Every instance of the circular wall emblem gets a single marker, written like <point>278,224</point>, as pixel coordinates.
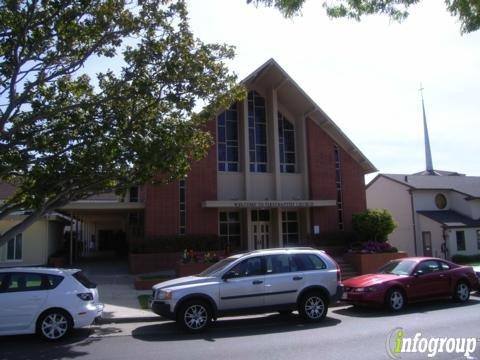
<point>440,201</point>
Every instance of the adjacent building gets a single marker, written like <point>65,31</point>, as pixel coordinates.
<point>437,215</point>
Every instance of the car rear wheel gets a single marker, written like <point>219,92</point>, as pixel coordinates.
<point>194,316</point>
<point>395,300</point>
<point>313,307</point>
<point>54,325</point>
<point>462,292</point>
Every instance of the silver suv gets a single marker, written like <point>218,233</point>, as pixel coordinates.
<point>260,281</point>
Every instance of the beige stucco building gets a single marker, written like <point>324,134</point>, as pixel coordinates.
<point>434,213</point>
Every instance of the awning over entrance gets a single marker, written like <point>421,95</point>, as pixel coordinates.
<point>265,204</point>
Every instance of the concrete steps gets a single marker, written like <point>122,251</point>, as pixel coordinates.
<point>346,268</point>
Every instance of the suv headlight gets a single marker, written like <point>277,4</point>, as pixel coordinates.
<point>164,295</point>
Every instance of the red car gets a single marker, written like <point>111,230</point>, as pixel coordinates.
<point>411,279</point>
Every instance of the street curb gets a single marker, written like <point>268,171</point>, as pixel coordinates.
<point>125,320</point>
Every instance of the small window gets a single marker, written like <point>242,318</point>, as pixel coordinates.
<point>15,248</point>
<point>440,201</point>
<point>428,266</point>
<point>277,264</point>
<point>248,267</point>
<point>444,266</point>
<point>82,279</point>
<point>308,262</point>
<point>51,281</point>
<point>24,282</point>
<point>460,240</point>
<point>3,281</point>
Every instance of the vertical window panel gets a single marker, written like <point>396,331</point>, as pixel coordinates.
<point>257,132</point>
<point>227,140</point>
<point>286,138</point>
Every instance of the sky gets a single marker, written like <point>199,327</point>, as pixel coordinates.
<point>366,75</point>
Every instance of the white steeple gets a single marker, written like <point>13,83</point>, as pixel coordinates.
<point>428,153</point>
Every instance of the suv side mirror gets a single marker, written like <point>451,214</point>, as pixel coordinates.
<point>228,275</point>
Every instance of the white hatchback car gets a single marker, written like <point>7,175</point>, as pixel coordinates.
<point>46,301</point>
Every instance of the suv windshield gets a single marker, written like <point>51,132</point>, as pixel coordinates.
<point>217,267</point>
<point>399,267</point>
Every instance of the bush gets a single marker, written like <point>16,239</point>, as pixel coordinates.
<point>373,225</point>
<point>465,259</point>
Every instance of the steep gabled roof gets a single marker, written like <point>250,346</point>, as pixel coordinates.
<point>467,185</point>
<point>288,90</point>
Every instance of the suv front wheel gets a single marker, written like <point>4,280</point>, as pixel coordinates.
<point>194,316</point>
<point>313,307</point>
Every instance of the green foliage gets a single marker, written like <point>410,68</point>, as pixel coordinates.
<point>65,136</point>
<point>466,259</point>
<point>468,11</point>
<point>373,225</point>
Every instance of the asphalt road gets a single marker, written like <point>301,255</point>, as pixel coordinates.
<point>347,333</point>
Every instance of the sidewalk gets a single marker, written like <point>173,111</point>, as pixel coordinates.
<point>116,291</point>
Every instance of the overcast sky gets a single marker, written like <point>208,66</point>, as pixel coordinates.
<point>366,75</point>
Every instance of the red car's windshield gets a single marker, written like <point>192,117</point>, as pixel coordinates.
<point>398,267</point>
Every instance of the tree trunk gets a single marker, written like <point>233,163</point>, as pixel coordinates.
<point>23,225</point>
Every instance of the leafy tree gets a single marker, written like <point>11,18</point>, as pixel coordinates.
<point>65,136</point>
<point>373,224</point>
<point>468,11</point>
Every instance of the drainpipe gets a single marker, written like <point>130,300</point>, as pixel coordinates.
<point>413,222</point>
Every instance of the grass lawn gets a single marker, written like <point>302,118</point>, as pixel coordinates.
<point>143,301</point>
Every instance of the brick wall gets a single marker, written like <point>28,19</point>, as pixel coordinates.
<point>353,186</point>
<point>201,185</point>
<point>162,200</point>
<point>321,172</point>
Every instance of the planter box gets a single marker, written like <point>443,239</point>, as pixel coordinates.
<point>370,263</point>
<point>188,269</point>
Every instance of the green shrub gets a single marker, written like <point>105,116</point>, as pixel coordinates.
<point>465,259</point>
<point>373,225</point>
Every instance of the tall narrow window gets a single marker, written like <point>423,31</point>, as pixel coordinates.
<point>134,194</point>
<point>15,248</point>
<point>460,240</point>
<point>230,229</point>
<point>290,228</point>
<point>183,213</point>
<point>257,132</point>
<point>338,187</point>
<point>227,140</point>
<point>478,239</point>
<point>286,142</point>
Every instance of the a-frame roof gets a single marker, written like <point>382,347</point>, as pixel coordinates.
<point>291,93</point>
